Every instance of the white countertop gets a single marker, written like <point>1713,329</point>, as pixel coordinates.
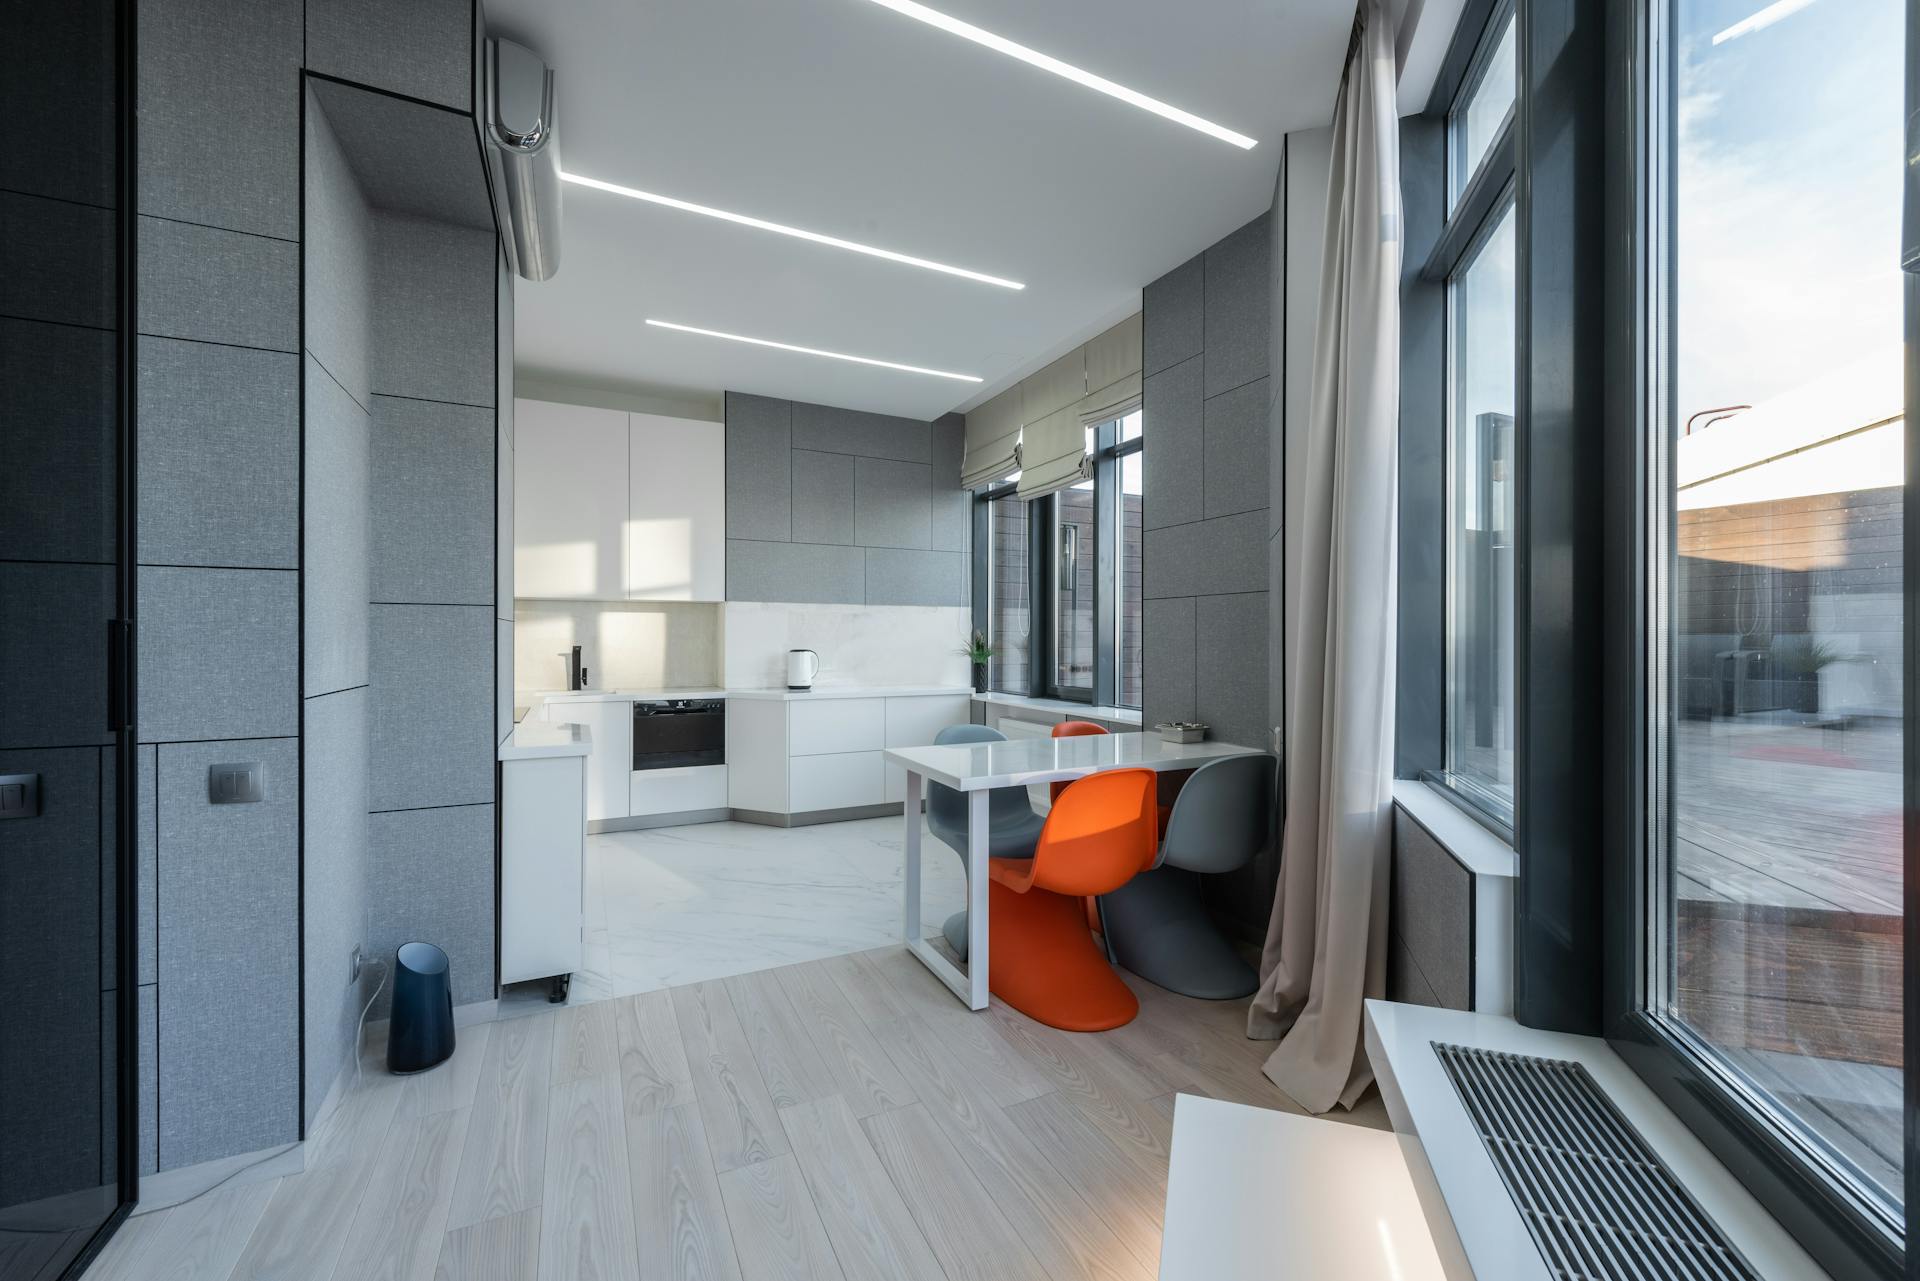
<point>531,739</point>
<point>1023,761</point>
<point>1066,707</point>
<point>535,697</point>
<point>783,695</point>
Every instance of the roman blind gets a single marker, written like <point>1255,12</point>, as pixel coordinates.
<point>1039,426</point>
<point>993,440</point>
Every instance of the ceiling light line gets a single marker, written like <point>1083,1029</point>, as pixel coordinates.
<point>1066,70</point>
<point>1760,20</point>
<point>854,246</point>
<point>813,351</point>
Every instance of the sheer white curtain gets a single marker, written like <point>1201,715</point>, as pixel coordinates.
<point>1326,943</point>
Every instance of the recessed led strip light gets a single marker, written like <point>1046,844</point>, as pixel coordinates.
<point>799,233</point>
<point>1066,70</point>
<point>813,351</point>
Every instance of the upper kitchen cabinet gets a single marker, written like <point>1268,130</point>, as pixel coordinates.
<point>676,531</point>
<point>570,502</point>
<point>616,506</point>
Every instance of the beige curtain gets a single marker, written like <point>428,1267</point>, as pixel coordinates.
<point>1326,943</point>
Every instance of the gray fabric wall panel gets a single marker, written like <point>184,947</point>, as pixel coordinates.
<point>72,154</point>
<point>212,285</point>
<point>48,1058</point>
<point>823,490</point>
<point>410,158</point>
<point>802,572</point>
<point>759,471</point>
<point>1230,666</point>
<point>219,655</point>
<point>431,877</point>
<point>897,576</point>
<point>433,502</point>
<point>58,385</point>
<point>220,113</point>
<point>338,576</point>
<point>58,260</point>
<point>1174,316</point>
<point>423,48</point>
<point>339,251</point>
<point>53,654</point>
<point>1175,477</point>
<point>433,311</point>
<point>432,692</point>
<point>1238,305</point>
<point>1405,982</point>
<point>1431,912</point>
<point>1206,557</point>
<point>892,504</point>
<point>219,475</point>
<point>149,1069</point>
<point>952,506</point>
<point>335,867</point>
<point>1167,641</point>
<point>147,850</point>
<point>229,1010</point>
<point>1236,450</point>
<point>853,431</point>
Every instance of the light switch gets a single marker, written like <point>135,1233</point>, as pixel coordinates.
<point>19,796</point>
<point>237,784</point>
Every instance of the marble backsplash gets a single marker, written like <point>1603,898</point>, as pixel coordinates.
<point>624,644</point>
<point>857,644</point>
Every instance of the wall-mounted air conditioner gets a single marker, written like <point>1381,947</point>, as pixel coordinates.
<point>523,152</point>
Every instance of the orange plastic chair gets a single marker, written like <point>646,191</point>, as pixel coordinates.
<point>1073,729</point>
<point>1042,960</point>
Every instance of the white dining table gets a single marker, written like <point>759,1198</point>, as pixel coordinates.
<point>975,769</point>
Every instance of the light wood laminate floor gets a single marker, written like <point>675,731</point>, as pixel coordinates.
<point>841,1119</point>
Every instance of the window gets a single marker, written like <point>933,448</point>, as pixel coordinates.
<point>1474,261</point>
<point>1774,878</point>
<point>1084,643</point>
<point>1009,592</point>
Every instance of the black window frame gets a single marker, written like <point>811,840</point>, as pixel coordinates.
<point>1453,231</point>
<point>1042,531</point>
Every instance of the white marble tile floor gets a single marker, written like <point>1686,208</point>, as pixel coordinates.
<point>676,905</point>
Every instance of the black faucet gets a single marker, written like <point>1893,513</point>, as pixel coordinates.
<point>576,673</point>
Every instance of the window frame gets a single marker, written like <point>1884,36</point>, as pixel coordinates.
<point>1468,221</point>
<point>1805,1190</point>
<point>1042,533</point>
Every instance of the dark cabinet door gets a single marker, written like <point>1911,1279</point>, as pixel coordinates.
<point>68,979</point>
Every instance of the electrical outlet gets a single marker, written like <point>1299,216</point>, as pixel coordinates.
<point>353,966</point>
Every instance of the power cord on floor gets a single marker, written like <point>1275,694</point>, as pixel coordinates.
<point>359,1036</point>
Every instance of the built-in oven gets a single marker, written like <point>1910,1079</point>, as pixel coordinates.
<point>678,732</point>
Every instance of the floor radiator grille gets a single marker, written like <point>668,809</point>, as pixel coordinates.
<point>1600,1204</point>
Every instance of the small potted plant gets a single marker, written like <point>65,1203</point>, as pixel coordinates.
<point>979,653</point>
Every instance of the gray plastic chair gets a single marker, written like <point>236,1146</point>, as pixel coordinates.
<point>1156,924</point>
<point>1012,827</point>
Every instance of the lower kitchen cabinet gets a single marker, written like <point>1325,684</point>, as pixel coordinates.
<point>818,757</point>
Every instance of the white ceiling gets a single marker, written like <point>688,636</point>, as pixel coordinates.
<point>843,117</point>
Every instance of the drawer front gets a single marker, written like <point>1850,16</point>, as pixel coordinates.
<point>815,728</point>
<point>835,781</point>
<point>677,791</point>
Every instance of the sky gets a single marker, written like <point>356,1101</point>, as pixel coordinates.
<point>1787,191</point>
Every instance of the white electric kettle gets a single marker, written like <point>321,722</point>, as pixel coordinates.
<point>802,666</point>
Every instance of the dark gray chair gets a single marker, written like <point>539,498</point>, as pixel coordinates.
<point>1012,826</point>
<point>1156,924</point>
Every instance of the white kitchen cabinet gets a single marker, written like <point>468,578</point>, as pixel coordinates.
<point>836,781</point>
<point>570,485</point>
<point>610,766</point>
<point>680,790</point>
<point>676,509</point>
<point>815,728</point>
<point>542,867</point>
<point>913,722</point>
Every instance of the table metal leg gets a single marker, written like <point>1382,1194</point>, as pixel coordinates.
<point>969,985</point>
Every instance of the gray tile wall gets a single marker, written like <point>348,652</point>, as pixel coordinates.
<point>220,377</point>
<point>1206,557</point>
<point>838,506</point>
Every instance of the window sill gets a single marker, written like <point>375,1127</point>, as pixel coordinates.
<point>1477,849</point>
<point>1064,707</point>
